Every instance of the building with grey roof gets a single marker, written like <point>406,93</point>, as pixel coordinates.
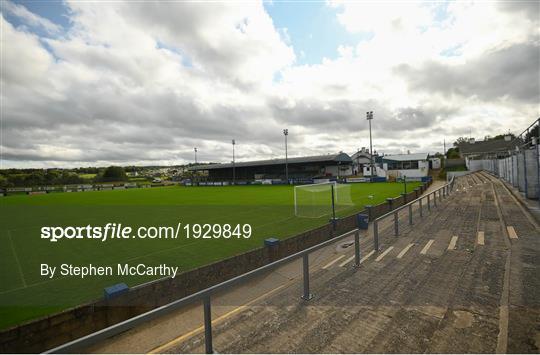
<point>331,165</point>
<point>487,149</point>
<point>410,165</point>
<point>361,159</point>
<point>492,147</point>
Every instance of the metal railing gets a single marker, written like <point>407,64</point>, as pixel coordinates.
<point>205,297</point>
<point>443,191</point>
<point>520,165</point>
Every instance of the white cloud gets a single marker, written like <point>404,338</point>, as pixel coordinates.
<point>384,17</point>
<point>146,82</point>
<point>28,17</point>
<point>23,56</point>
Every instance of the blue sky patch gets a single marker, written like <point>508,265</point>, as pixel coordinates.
<point>313,28</point>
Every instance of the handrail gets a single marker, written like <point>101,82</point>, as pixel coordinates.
<point>412,202</point>
<point>526,130</point>
<point>444,190</point>
<point>205,295</point>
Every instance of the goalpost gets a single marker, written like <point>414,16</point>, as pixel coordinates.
<point>315,200</point>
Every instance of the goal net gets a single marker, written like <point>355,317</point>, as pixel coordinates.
<point>315,200</point>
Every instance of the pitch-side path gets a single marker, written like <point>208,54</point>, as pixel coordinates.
<point>464,278</point>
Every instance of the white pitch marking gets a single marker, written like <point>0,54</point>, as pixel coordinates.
<point>21,274</point>
<point>453,242</point>
<point>405,250</point>
<point>512,232</point>
<point>333,262</point>
<point>346,261</point>
<point>426,248</point>
<point>480,238</point>
<point>367,256</point>
<point>379,258</point>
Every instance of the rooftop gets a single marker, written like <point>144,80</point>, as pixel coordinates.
<point>330,158</point>
<point>489,146</point>
<point>406,157</point>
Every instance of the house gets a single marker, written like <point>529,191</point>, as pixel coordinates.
<point>487,149</point>
<point>360,160</point>
<point>406,165</point>
<point>435,163</point>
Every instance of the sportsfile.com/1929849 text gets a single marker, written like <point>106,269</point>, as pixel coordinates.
<point>119,231</point>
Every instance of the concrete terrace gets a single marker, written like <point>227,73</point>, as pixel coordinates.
<point>463,278</point>
<point>466,279</point>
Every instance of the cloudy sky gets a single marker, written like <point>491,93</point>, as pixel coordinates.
<point>97,83</point>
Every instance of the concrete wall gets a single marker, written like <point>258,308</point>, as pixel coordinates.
<point>48,332</point>
<point>435,163</point>
<point>514,171</point>
<point>380,172</point>
<point>530,173</point>
<point>338,170</point>
<point>423,170</point>
<point>476,165</point>
<point>534,173</point>
<point>450,163</point>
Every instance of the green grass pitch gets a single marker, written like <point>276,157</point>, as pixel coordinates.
<point>24,294</point>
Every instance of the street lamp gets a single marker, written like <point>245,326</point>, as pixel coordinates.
<point>369,117</point>
<point>195,150</point>
<point>286,133</point>
<point>233,167</point>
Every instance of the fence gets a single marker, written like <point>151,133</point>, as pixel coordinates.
<point>50,332</point>
<point>520,166</point>
<point>205,297</point>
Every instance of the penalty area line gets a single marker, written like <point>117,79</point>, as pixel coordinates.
<point>16,259</point>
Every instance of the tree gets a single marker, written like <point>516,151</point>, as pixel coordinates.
<point>533,132</point>
<point>501,136</point>
<point>114,173</point>
<point>460,140</point>
<point>70,178</point>
<point>35,178</point>
<point>4,182</point>
<point>453,153</point>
